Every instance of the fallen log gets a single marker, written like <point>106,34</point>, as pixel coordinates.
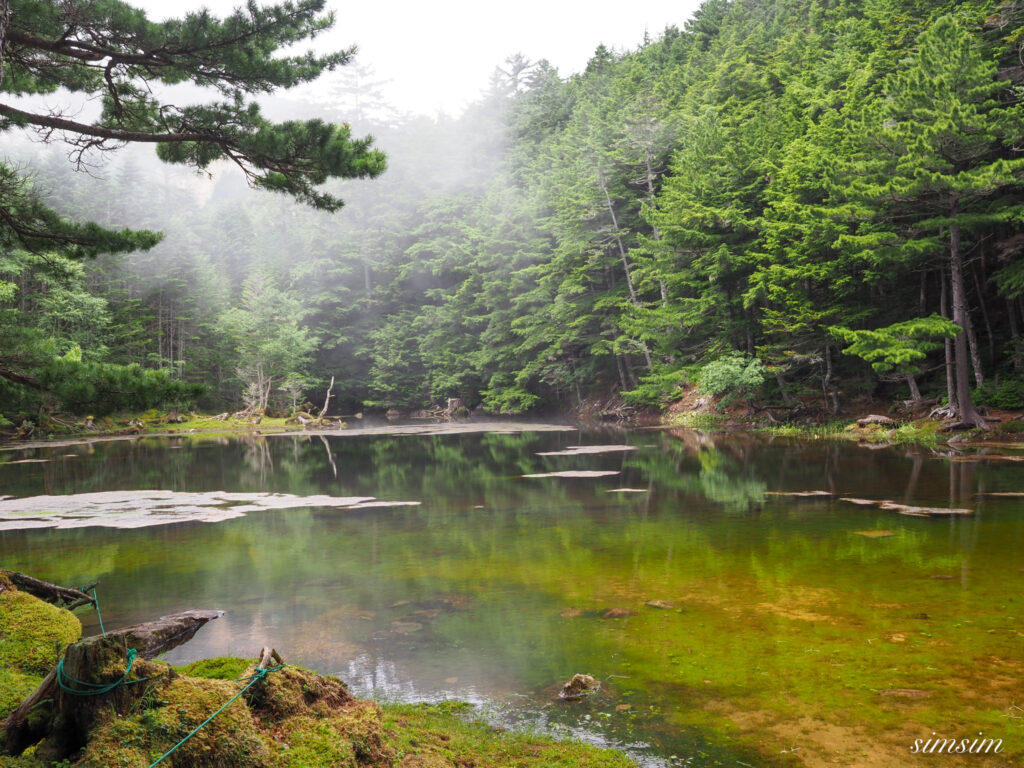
<point>97,673</point>
<point>64,597</point>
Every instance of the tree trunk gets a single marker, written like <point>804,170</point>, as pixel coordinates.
<point>327,401</point>
<point>787,398</point>
<point>975,352</point>
<point>5,18</point>
<point>622,372</point>
<point>1015,340</point>
<point>65,597</point>
<point>965,405</point>
<point>95,661</point>
<point>944,311</point>
<point>915,393</point>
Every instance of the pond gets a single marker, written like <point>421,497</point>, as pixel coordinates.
<point>729,621</point>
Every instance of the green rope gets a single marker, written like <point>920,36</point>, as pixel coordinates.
<point>254,678</point>
<point>85,688</point>
<point>96,605</point>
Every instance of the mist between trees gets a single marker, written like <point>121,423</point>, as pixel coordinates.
<point>809,196</point>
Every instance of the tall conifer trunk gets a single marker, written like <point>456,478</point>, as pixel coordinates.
<point>948,345</point>
<point>5,18</point>
<point>965,405</point>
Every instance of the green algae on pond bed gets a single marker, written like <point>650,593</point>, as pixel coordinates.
<point>787,628</point>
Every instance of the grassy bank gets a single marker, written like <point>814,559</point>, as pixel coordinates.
<point>922,431</point>
<point>295,718</point>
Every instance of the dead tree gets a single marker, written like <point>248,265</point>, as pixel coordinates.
<point>63,597</point>
<point>96,674</point>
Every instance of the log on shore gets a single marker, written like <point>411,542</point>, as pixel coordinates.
<point>65,719</point>
<point>64,597</point>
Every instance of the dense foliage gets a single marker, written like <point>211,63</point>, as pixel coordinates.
<point>111,54</point>
<point>818,198</point>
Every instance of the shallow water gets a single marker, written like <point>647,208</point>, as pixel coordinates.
<point>730,623</point>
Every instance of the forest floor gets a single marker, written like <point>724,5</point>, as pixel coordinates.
<point>294,718</point>
<point>807,420</point>
<point>864,420</point>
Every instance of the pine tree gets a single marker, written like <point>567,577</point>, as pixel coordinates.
<point>938,162</point>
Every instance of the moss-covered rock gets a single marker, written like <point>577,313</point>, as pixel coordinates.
<point>32,635</point>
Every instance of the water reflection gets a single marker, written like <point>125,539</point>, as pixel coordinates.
<point>719,615</point>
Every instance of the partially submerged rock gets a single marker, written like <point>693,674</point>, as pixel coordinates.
<point>578,687</point>
<point>665,605</point>
<point>875,419</point>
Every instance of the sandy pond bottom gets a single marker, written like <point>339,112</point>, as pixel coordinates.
<point>730,620</point>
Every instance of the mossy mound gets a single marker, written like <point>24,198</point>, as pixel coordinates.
<point>32,634</point>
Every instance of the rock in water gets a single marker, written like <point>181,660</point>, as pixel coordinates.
<point>618,613</point>
<point>874,419</point>
<point>578,687</point>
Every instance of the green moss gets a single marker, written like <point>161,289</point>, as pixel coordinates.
<point>230,739</point>
<point>15,685</point>
<point>429,735</point>
<point>220,668</point>
<point>31,635</point>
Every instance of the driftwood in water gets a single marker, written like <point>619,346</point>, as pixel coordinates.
<point>65,597</point>
<point>94,661</point>
<point>268,655</point>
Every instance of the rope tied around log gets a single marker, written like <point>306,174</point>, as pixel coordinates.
<point>85,688</point>
<point>254,678</point>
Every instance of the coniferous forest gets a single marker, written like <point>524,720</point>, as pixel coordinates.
<point>784,200</point>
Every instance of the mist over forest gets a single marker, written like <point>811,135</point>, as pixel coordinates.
<point>760,200</point>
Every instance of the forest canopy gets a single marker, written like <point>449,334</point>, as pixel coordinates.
<point>823,193</point>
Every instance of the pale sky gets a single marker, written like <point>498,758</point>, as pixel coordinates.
<point>440,55</point>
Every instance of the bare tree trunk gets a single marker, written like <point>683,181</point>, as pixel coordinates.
<point>968,413</point>
<point>625,263</point>
<point>630,373</point>
<point>327,401</point>
<point>65,597</point>
<point>622,372</point>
